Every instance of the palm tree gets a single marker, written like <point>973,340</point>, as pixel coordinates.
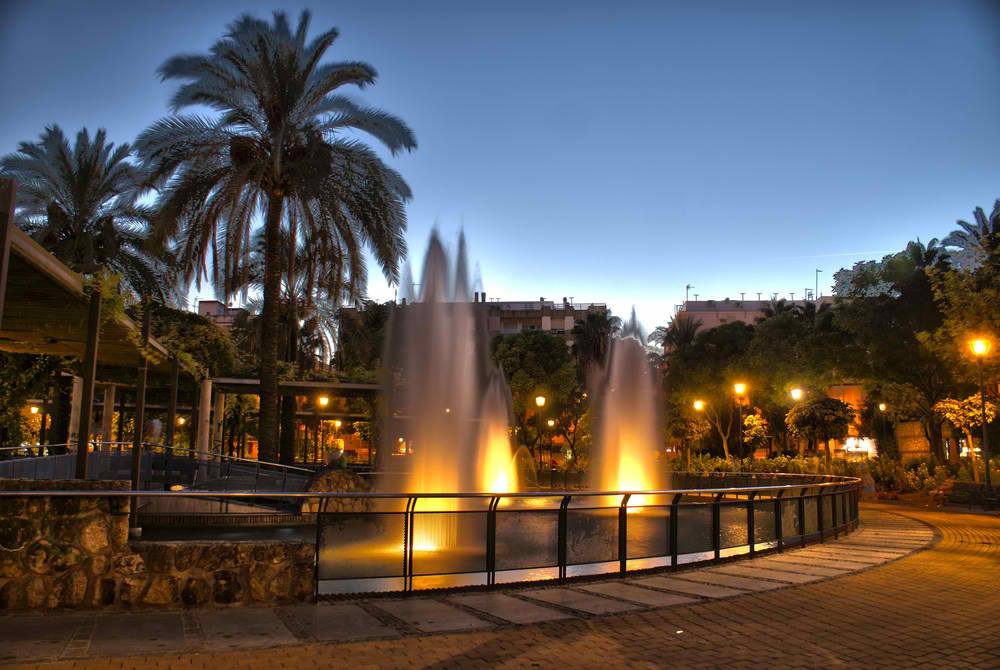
<point>977,243</point>
<point>276,147</point>
<point>80,203</point>
<point>680,333</point>
<point>592,338</point>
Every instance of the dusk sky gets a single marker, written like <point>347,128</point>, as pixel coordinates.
<point>612,152</point>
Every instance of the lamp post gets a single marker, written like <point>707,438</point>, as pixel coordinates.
<point>796,394</point>
<point>980,348</point>
<point>539,404</point>
<point>739,389</point>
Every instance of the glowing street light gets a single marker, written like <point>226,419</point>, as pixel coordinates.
<point>739,388</point>
<point>540,401</point>
<point>699,405</point>
<point>181,421</point>
<point>34,409</point>
<point>796,394</point>
<point>323,401</point>
<point>551,423</point>
<point>980,348</point>
<point>337,423</point>
<point>882,407</point>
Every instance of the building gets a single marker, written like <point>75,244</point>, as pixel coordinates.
<point>712,313</point>
<point>557,318</point>
<point>219,313</point>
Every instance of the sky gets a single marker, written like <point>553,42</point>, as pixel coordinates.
<point>605,151</point>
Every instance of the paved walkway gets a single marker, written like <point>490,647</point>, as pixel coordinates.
<point>885,596</point>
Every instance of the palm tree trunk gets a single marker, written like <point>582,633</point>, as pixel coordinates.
<point>269,331</point>
<point>289,403</point>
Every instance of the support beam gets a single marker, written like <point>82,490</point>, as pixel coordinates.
<point>140,402</point>
<point>175,371</point>
<point>217,415</point>
<point>108,414</point>
<point>75,398</point>
<point>86,410</point>
<point>8,193</point>
<point>202,443</point>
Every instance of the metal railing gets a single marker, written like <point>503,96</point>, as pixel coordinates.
<point>404,541</point>
<point>159,465</point>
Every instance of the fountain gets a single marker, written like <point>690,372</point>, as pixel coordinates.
<point>446,402</point>
<point>628,424</point>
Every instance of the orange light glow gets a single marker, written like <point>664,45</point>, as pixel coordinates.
<point>699,405</point>
<point>739,388</point>
<point>980,347</point>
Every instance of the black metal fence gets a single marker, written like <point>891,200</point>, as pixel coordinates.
<point>402,542</point>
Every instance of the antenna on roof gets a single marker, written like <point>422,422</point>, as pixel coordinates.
<point>688,288</point>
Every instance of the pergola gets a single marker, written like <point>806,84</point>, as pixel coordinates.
<point>46,309</point>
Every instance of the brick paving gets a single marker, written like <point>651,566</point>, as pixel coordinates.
<point>899,604</point>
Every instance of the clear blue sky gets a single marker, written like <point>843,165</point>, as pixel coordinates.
<point>608,151</point>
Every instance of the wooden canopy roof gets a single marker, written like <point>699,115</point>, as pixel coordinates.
<point>44,307</point>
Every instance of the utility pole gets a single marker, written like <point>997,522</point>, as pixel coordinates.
<point>687,289</point>
<point>816,293</point>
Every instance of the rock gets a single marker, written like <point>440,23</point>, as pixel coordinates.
<point>185,556</point>
<point>129,564</point>
<point>36,558</point>
<point>227,589</point>
<point>69,590</point>
<point>336,480</point>
<point>99,565</point>
<point>63,557</point>
<point>16,534</point>
<point>159,558</point>
<point>163,590</point>
<point>217,556</point>
<point>195,592</point>
<point>34,592</point>
<point>94,536</point>
<point>130,589</point>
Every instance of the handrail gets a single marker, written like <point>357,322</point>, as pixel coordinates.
<point>842,481</point>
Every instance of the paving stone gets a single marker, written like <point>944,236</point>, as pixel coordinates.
<point>637,594</point>
<point>763,573</point>
<point>582,602</point>
<point>509,608</point>
<point>35,637</point>
<point>240,627</point>
<point>431,616</point>
<point>338,622</point>
<point>733,581</point>
<point>137,633</point>
<point>689,587</point>
<point>804,568</point>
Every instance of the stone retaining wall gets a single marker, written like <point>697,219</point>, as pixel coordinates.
<point>74,553</point>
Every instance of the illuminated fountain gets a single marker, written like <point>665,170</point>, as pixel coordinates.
<point>446,402</point>
<point>628,425</point>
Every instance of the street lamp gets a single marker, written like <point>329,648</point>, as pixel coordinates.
<point>323,401</point>
<point>34,409</point>
<point>699,405</point>
<point>882,407</point>
<point>796,394</point>
<point>980,348</point>
<point>539,403</point>
<point>740,389</point>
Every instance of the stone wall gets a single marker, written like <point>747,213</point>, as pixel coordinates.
<point>74,553</point>
<point>336,480</point>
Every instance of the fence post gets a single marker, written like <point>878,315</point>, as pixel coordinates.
<point>491,541</point>
<point>408,544</point>
<point>819,513</point>
<point>561,549</point>
<point>623,534</point>
<point>802,516</point>
<point>751,530</point>
<point>717,526</point>
<point>779,535</point>
<point>675,506</point>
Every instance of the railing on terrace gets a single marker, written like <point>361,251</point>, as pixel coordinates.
<point>160,466</point>
<point>401,541</point>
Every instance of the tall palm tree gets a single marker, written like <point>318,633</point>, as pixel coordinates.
<point>278,146</point>
<point>80,203</point>
<point>977,243</point>
<point>680,333</point>
<point>592,338</point>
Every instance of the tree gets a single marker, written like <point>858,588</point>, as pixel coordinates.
<point>706,370</point>
<point>967,416</point>
<point>680,333</point>
<point>361,335</point>
<point>535,363</point>
<point>592,339</point>
<point>275,147</point>
<point>80,203</point>
<point>892,332</point>
<point>977,244</point>
<point>755,433</point>
<point>820,419</point>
